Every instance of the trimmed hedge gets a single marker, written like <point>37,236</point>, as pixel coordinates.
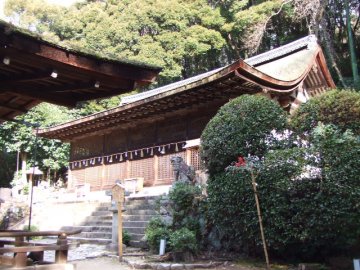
<point>338,107</point>
<point>241,127</point>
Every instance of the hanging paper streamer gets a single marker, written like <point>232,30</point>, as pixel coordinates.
<point>136,153</point>
<point>110,159</point>
<point>121,157</point>
<point>141,153</point>
<point>176,147</point>
<point>131,156</point>
<point>152,152</point>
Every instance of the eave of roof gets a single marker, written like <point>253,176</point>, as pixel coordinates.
<point>245,75</point>
<point>33,70</point>
<point>96,55</point>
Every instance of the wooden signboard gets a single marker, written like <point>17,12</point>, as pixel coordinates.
<point>118,195</point>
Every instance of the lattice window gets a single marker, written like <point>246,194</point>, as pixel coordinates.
<point>114,172</point>
<point>165,171</point>
<point>93,176</point>
<point>143,168</point>
<point>77,177</point>
<point>91,146</point>
<point>195,158</point>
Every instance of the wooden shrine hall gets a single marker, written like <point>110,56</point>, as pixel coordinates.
<point>33,70</point>
<point>138,138</point>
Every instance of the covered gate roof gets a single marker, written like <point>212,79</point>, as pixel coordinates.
<point>33,70</point>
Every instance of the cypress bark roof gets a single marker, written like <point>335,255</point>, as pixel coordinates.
<point>278,72</point>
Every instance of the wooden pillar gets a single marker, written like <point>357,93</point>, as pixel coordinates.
<point>188,156</point>
<point>103,175</point>
<point>20,258</point>
<point>156,169</point>
<point>128,169</point>
<point>61,255</point>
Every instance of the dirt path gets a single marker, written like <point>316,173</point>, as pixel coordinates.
<point>112,263</point>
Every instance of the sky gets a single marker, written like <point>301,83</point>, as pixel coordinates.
<point>58,2</point>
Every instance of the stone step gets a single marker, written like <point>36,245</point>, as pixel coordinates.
<point>136,236</point>
<point>82,240</point>
<point>127,217</point>
<point>89,228</point>
<point>101,213</point>
<point>97,223</point>
<point>140,212</point>
<point>138,244</point>
<point>145,198</point>
<point>103,208</point>
<point>98,218</point>
<point>102,235</point>
<point>135,230</point>
<point>140,224</point>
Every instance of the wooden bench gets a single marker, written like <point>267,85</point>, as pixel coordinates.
<point>15,253</point>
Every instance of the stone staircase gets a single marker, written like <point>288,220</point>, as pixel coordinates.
<point>96,229</point>
<point>139,211</point>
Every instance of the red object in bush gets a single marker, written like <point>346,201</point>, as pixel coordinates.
<point>241,162</point>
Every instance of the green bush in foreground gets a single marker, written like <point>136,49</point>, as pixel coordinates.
<point>183,240</point>
<point>155,231</point>
<point>243,126</point>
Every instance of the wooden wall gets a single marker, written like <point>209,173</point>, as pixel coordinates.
<point>155,169</point>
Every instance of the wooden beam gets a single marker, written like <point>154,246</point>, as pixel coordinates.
<point>47,97</point>
<point>9,107</point>
<point>26,78</point>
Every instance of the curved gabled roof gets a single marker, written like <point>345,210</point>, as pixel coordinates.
<point>280,71</point>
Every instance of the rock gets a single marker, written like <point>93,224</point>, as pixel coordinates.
<point>142,266</point>
<point>163,266</point>
<point>177,266</point>
<point>167,220</point>
<point>163,211</point>
<point>310,266</point>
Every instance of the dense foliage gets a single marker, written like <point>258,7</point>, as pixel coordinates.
<point>156,230</point>
<point>329,108</point>
<point>51,155</point>
<point>188,37</point>
<point>184,232</point>
<point>243,126</point>
<point>308,194</point>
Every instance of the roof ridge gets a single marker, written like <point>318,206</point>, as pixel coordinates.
<point>304,42</point>
<point>255,60</point>
<point>168,87</point>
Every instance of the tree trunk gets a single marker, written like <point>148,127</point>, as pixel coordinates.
<point>23,156</point>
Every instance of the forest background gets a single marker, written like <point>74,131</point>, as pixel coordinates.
<point>185,37</point>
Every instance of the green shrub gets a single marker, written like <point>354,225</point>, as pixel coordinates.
<point>183,240</point>
<point>184,199</point>
<point>306,215</point>
<point>126,237</point>
<point>33,228</point>
<point>241,127</point>
<point>341,108</point>
<point>155,231</point>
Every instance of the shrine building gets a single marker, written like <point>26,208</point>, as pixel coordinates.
<point>138,138</point>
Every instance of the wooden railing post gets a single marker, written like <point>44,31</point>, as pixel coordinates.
<point>20,257</point>
<point>61,255</point>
